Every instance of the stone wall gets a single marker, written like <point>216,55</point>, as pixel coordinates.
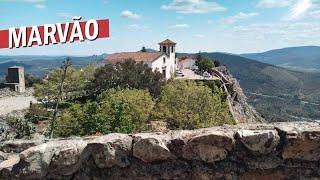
<point>264,151</point>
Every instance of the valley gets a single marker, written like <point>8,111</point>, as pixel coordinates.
<point>292,88</point>
<point>279,94</point>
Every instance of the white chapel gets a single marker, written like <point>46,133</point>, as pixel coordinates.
<point>164,61</point>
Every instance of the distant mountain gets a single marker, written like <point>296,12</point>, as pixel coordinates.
<point>40,65</point>
<point>149,50</point>
<point>152,50</point>
<point>277,93</point>
<point>305,58</point>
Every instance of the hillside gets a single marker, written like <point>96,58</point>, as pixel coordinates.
<point>40,65</point>
<point>305,58</point>
<point>277,93</point>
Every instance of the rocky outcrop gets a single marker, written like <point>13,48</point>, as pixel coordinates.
<point>237,100</point>
<point>248,151</point>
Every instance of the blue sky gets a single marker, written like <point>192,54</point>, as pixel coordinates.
<point>240,26</point>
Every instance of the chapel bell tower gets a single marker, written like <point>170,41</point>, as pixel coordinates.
<point>168,47</point>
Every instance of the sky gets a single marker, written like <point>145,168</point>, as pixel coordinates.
<point>233,26</point>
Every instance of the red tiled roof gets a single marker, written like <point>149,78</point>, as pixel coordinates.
<point>167,42</point>
<point>136,56</point>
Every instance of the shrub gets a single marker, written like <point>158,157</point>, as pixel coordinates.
<point>205,65</point>
<point>93,120</point>
<point>117,111</point>
<point>81,120</point>
<point>127,110</point>
<point>77,80</point>
<point>69,123</point>
<point>129,74</point>
<point>216,63</point>
<point>188,105</point>
<point>37,113</point>
<point>31,80</point>
<point>21,127</point>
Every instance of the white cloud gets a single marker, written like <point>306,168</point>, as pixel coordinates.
<point>64,15</point>
<point>304,12</point>
<point>194,6</point>
<point>130,15</point>
<point>238,17</point>
<point>136,27</point>
<point>315,13</point>
<point>274,3</point>
<point>291,31</point>
<point>180,26</point>
<point>40,6</point>
<point>199,36</point>
<point>299,9</point>
<point>259,37</point>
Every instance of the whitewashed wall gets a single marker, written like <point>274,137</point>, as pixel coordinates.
<point>158,64</point>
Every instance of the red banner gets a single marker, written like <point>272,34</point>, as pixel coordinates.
<point>61,33</point>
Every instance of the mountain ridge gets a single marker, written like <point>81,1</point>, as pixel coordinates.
<point>300,58</point>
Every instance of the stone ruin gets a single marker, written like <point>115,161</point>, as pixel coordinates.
<point>15,79</point>
<point>247,151</point>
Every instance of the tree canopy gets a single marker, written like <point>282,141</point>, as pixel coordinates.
<point>188,105</point>
<point>205,65</point>
<point>129,74</point>
<point>77,80</point>
<point>122,111</point>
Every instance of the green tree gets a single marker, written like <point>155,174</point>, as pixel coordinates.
<point>61,83</point>
<point>129,74</point>
<point>69,123</point>
<point>93,120</point>
<point>76,80</point>
<point>188,105</point>
<point>31,80</point>
<point>143,49</point>
<point>216,63</point>
<point>205,65</point>
<point>64,67</point>
<point>199,56</point>
<point>121,111</point>
<point>81,120</point>
<point>127,110</point>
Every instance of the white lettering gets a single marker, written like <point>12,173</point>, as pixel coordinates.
<point>95,29</point>
<point>63,34</point>
<point>20,38</point>
<point>34,36</point>
<point>53,34</point>
<point>76,32</point>
<point>49,32</point>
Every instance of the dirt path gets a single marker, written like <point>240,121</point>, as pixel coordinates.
<point>9,104</point>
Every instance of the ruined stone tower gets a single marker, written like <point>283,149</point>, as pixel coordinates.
<point>15,79</point>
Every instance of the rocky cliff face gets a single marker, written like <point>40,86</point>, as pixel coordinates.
<point>238,105</point>
<point>264,151</point>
